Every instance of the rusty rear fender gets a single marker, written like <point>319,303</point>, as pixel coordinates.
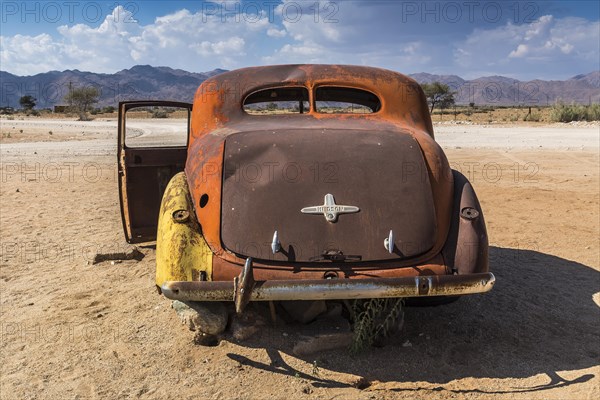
<point>466,248</point>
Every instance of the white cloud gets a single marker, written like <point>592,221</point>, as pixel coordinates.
<point>223,47</point>
<point>120,42</point>
<point>28,52</point>
<point>273,32</point>
<point>347,33</point>
<point>521,51</point>
<point>548,44</point>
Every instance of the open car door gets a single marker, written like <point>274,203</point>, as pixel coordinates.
<point>152,147</point>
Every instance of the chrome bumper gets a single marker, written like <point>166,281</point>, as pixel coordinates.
<point>334,289</point>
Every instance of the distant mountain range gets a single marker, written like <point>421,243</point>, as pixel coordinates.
<point>144,82</point>
<point>141,82</point>
<point>500,90</point>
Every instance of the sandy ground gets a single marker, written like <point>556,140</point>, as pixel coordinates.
<point>70,329</point>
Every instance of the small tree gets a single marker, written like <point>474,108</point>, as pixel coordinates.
<point>27,102</point>
<point>439,94</point>
<point>81,100</point>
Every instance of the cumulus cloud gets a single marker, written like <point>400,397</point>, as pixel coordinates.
<point>226,34</point>
<point>120,41</point>
<point>548,43</point>
<point>274,32</point>
<point>348,33</point>
<point>25,53</point>
<point>222,47</point>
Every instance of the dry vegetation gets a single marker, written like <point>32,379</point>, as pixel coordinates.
<point>507,115</point>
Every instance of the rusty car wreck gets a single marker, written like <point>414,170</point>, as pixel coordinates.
<point>304,182</point>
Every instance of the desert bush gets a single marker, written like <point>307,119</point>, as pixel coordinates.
<point>575,112</point>
<point>159,114</point>
<point>374,319</point>
<point>567,113</point>
<point>533,117</point>
<point>593,112</point>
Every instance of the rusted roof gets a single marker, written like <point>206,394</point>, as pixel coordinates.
<point>218,101</point>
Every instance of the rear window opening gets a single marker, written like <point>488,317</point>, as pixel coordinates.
<point>288,100</point>
<point>342,100</point>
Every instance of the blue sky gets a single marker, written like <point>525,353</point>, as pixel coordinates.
<point>521,39</point>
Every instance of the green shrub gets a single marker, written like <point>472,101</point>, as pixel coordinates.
<point>159,114</point>
<point>575,112</point>
<point>593,112</point>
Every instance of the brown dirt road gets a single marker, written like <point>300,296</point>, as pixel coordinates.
<point>75,330</point>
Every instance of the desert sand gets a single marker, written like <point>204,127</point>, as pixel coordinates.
<point>76,330</point>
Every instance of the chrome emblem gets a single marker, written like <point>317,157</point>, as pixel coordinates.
<point>330,210</point>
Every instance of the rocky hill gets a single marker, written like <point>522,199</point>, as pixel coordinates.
<point>141,82</point>
<point>164,83</point>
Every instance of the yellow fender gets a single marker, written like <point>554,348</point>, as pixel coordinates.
<point>181,251</point>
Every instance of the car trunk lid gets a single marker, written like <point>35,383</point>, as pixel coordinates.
<point>271,176</point>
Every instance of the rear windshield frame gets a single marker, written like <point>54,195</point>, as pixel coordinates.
<point>269,98</point>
